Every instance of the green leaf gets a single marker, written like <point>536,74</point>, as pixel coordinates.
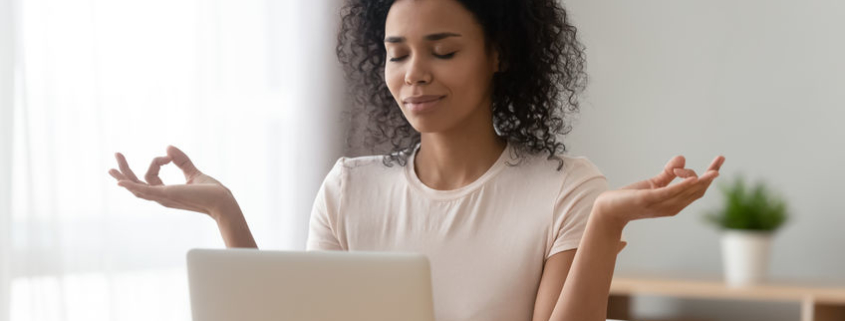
<point>749,208</point>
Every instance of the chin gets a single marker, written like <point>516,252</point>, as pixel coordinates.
<point>426,123</point>
<point>427,126</point>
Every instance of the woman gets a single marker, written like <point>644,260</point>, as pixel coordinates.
<point>473,95</point>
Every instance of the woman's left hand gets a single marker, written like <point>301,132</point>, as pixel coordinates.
<point>655,197</point>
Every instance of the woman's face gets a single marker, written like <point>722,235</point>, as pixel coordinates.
<point>438,68</point>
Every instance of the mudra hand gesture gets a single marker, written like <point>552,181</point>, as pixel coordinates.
<point>654,197</point>
<point>200,193</point>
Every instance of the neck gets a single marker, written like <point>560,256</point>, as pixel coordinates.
<point>457,157</point>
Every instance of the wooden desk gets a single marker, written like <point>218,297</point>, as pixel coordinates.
<point>818,303</point>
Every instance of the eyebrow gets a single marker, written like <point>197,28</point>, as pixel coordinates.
<point>431,37</point>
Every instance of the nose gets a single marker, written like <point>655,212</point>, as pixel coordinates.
<point>418,72</point>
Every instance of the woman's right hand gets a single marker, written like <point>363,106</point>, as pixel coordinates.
<point>201,193</point>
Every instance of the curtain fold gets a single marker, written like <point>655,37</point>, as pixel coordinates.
<point>7,89</point>
<point>249,90</point>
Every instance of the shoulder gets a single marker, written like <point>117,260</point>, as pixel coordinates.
<point>361,169</point>
<point>365,165</point>
<point>362,162</point>
<point>561,170</point>
<point>580,169</point>
<point>581,177</point>
<point>548,180</point>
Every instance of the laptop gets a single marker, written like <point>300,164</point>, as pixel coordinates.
<point>253,285</point>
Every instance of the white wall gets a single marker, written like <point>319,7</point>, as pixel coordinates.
<point>760,82</point>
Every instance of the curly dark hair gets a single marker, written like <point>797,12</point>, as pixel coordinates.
<point>541,62</point>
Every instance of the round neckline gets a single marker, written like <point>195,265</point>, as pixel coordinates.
<point>414,180</point>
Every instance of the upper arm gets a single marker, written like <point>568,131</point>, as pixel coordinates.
<point>551,283</point>
<point>554,275</point>
<point>322,234</point>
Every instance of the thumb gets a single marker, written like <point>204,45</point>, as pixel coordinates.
<point>668,174</point>
<point>182,161</point>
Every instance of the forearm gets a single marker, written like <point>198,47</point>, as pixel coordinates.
<point>584,295</point>
<point>234,229</point>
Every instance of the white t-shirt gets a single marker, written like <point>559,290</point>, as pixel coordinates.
<point>486,242</point>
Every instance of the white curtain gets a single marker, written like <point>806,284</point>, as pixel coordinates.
<point>250,90</point>
<point>6,101</point>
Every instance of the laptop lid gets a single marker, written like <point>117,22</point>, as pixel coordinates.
<point>248,284</point>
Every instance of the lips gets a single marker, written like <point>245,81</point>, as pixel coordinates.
<point>422,99</point>
<point>422,104</point>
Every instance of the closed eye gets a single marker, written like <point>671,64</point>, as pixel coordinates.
<point>446,56</point>
<point>397,58</point>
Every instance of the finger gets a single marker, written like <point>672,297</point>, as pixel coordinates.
<point>717,163</point>
<point>117,175</point>
<point>157,194</point>
<point>700,187</point>
<point>668,174</point>
<point>665,193</point>
<point>664,178</point>
<point>141,190</point>
<point>673,202</point>
<point>709,176</point>
<point>124,168</point>
<point>182,161</point>
<point>152,173</point>
<point>684,172</point>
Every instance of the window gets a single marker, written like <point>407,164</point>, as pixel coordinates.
<point>218,79</point>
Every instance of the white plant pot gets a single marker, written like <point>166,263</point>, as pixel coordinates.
<point>745,257</point>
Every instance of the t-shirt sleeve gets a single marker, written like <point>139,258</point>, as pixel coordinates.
<point>582,186</point>
<point>322,228</point>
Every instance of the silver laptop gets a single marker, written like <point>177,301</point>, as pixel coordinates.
<point>253,285</point>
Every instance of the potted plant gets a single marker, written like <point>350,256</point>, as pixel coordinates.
<point>749,218</point>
